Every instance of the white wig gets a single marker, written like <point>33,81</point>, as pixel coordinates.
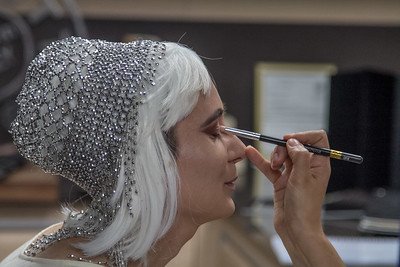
<point>180,78</point>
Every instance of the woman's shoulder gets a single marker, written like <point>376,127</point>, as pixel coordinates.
<point>18,259</point>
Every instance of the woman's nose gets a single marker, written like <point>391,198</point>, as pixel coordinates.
<point>235,148</point>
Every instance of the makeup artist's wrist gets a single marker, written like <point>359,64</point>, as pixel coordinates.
<point>296,230</point>
<point>305,231</point>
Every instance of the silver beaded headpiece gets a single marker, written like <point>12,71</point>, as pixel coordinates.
<point>78,108</point>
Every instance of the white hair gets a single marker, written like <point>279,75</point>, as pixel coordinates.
<point>180,78</point>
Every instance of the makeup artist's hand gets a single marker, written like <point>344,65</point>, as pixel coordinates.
<point>299,192</point>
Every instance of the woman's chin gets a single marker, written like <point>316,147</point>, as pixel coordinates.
<point>230,209</point>
<point>215,212</point>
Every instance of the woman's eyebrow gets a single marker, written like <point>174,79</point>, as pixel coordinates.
<point>216,115</point>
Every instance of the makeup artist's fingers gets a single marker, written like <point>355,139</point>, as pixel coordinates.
<point>278,157</point>
<point>262,164</point>
<point>319,165</point>
<point>288,166</point>
<point>316,138</point>
<point>300,157</point>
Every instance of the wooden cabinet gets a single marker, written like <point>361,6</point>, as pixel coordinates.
<point>29,184</point>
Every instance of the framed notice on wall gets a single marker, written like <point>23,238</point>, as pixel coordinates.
<point>289,98</point>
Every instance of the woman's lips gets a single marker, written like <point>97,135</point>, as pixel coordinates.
<point>231,184</point>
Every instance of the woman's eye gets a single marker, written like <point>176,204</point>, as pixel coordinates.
<point>215,133</point>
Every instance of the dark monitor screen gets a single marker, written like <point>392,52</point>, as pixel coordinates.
<point>395,161</point>
<point>363,121</point>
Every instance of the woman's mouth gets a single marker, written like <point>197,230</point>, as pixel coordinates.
<point>231,184</point>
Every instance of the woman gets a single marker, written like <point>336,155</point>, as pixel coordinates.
<point>139,126</point>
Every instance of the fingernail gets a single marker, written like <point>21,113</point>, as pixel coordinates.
<point>293,142</point>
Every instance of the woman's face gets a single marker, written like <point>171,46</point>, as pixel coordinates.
<point>206,159</point>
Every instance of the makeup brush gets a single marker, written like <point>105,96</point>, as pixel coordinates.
<point>335,154</point>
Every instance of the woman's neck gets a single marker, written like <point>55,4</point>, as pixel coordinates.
<point>169,246</point>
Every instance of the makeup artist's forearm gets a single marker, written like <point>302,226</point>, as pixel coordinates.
<point>317,251</point>
<point>295,253</point>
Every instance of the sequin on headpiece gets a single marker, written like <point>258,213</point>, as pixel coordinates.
<point>75,105</point>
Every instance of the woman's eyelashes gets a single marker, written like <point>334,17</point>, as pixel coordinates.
<point>217,134</point>
<point>214,131</point>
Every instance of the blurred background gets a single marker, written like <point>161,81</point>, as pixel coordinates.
<point>359,39</point>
